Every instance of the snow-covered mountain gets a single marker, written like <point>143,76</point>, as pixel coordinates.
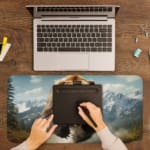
<point>29,110</point>
<point>24,106</point>
<point>117,106</point>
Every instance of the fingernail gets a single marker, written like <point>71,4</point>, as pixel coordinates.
<point>79,107</point>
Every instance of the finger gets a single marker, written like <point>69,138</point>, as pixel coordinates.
<point>88,104</point>
<point>37,121</point>
<point>52,129</point>
<point>85,118</point>
<point>48,122</point>
<point>43,121</point>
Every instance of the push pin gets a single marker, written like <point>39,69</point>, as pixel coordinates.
<point>137,52</point>
<point>149,54</point>
<point>136,40</point>
<point>146,34</point>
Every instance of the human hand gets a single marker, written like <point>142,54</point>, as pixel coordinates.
<point>95,113</point>
<point>39,133</point>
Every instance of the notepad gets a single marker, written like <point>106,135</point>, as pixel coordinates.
<point>4,51</point>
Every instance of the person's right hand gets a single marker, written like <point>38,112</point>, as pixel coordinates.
<point>95,113</point>
<point>39,133</point>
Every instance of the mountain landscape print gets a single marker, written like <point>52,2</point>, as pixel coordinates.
<point>122,106</point>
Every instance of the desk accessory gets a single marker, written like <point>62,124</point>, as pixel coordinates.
<point>4,51</point>
<point>67,98</point>
<point>122,103</point>
<point>4,47</point>
<point>137,52</point>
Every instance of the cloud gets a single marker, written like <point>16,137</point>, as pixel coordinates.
<point>119,88</point>
<point>129,78</point>
<point>35,79</point>
<point>35,91</point>
<point>31,94</point>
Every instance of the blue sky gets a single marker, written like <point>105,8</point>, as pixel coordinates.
<point>38,87</point>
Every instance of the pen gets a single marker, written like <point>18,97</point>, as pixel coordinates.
<point>4,43</point>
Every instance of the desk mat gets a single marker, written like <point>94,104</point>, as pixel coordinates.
<point>30,96</point>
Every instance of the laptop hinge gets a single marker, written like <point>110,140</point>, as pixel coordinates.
<point>75,18</point>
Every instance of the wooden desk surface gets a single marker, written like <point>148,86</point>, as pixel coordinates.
<point>133,17</point>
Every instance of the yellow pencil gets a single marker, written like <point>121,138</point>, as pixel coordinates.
<point>4,42</point>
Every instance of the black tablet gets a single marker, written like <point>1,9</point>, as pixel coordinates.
<point>66,99</point>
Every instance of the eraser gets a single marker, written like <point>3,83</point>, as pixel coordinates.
<point>137,52</point>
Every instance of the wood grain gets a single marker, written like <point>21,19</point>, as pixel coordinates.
<point>133,17</point>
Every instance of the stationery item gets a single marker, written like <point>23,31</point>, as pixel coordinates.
<point>137,52</point>
<point>149,54</point>
<point>136,40</point>
<point>4,42</point>
<point>4,51</point>
<point>0,47</point>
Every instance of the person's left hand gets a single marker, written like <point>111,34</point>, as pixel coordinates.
<point>39,133</point>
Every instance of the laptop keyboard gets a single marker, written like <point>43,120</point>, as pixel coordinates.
<point>65,38</point>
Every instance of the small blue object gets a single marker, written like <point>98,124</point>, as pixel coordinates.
<point>137,52</point>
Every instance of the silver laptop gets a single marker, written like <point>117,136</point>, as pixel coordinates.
<point>73,37</point>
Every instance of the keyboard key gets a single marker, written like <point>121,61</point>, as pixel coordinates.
<point>68,44</point>
<point>65,39</point>
<point>55,39</point>
<point>109,49</point>
<point>60,39</point>
<point>88,49</point>
<point>48,44</point>
<point>69,49</point>
<point>63,44</point>
<point>41,44</point>
<point>77,45</point>
<point>79,39</point>
<point>46,39</point>
<point>104,44</point>
<point>91,44</point>
<point>43,30</point>
<point>70,39</point>
<point>103,35</point>
<point>40,39</point>
<point>39,30</point>
<point>104,49</point>
<point>94,49</point>
<point>39,49</point>
<point>109,44</point>
<point>53,44</point>
<point>87,44</point>
<point>39,34</point>
<point>45,49</point>
<point>58,44</point>
<point>82,44</point>
<point>109,34</point>
<point>101,39</point>
<point>109,39</point>
<point>72,44</point>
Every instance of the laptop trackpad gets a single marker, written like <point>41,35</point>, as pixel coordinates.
<point>73,60</point>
